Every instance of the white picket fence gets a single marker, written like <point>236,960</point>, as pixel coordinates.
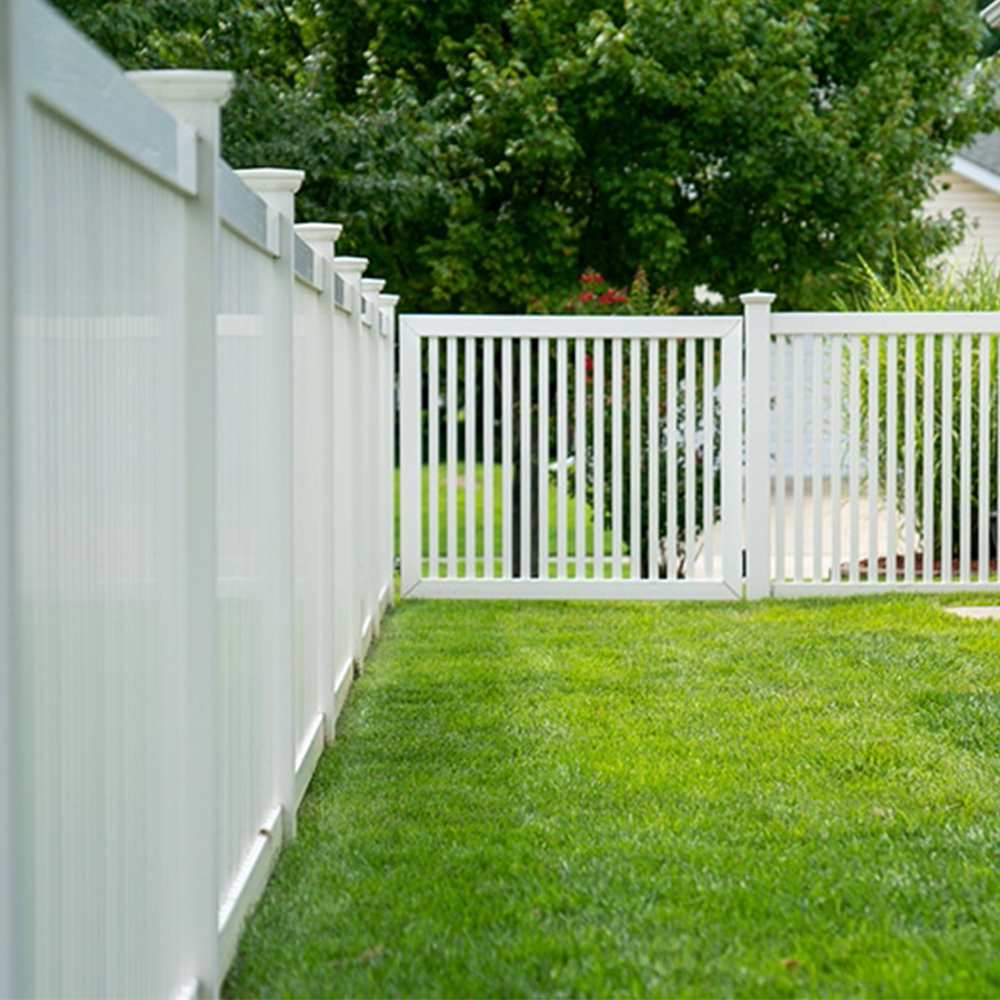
<point>685,457</point>
<point>196,521</point>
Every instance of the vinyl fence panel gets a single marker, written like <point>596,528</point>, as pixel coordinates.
<point>169,518</point>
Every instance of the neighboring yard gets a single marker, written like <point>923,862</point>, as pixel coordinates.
<point>796,798</point>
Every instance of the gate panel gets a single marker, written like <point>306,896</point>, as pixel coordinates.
<point>571,457</point>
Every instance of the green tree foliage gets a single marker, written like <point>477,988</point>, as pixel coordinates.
<point>480,150</point>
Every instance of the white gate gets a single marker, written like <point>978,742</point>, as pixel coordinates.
<point>571,457</point>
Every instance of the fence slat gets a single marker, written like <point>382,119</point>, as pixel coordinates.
<point>891,438</point>
<point>525,397</point>
<point>836,456</point>
<point>433,457</point>
<point>562,471</point>
<point>817,354</point>
<point>653,444</point>
<point>798,456</point>
<point>983,444</point>
<point>910,457</point>
<point>580,458</point>
<point>543,459</point>
<point>470,387</point>
<point>598,500</point>
<point>927,458</point>
<point>451,455</point>
<point>507,457</point>
<point>673,384</point>
<point>965,466</point>
<point>874,377</point>
<point>947,390</point>
<point>489,458</point>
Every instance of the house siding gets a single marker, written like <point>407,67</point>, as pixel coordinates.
<point>982,216</point>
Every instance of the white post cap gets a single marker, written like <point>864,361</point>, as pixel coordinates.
<point>372,285</point>
<point>276,186</point>
<point>321,236</point>
<point>192,95</point>
<point>351,265</point>
<point>756,298</point>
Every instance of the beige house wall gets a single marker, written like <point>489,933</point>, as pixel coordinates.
<point>982,216</point>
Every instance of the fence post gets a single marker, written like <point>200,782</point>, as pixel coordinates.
<point>387,454</point>
<point>349,601</point>
<point>196,96</point>
<point>277,187</point>
<point>411,503</point>
<point>757,380</point>
<point>371,443</point>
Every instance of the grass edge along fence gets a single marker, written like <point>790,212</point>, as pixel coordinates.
<point>197,400</point>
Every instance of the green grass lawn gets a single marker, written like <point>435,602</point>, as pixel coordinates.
<point>775,799</point>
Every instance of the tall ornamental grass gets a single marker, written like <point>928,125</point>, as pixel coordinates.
<point>974,288</point>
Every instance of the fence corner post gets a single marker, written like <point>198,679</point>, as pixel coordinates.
<point>757,483</point>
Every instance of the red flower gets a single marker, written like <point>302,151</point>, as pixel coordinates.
<point>585,296</point>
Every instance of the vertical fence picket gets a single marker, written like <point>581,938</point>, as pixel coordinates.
<point>817,355</point>
<point>798,457</point>
<point>489,462</point>
<point>927,458</point>
<point>983,444</point>
<point>911,344</point>
<point>598,399</point>
<point>854,460</point>
<point>690,452</point>
<point>836,457</point>
<point>470,385</point>
<point>451,455</point>
<point>710,438</point>
<point>542,500</point>
<point>947,392</point>
<point>524,390</point>
<point>965,458</point>
<point>874,378</point>
<point>580,459</point>
<point>507,457</point>
<point>635,457</point>
<point>433,456</point>
<point>672,393</point>
<point>891,450</point>
<point>562,457</point>
<point>653,444</point>
<point>617,457</point>
<point>778,393</point>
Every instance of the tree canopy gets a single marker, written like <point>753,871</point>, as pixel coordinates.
<point>483,153</point>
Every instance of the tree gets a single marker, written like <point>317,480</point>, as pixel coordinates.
<point>481,151</point>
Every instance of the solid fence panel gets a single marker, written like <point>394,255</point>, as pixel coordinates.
<point>149,710</point>
<point>109,572</point>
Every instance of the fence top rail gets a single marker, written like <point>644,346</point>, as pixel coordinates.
<point>245,213</point>
<point>305,264</point>
<point>558,327</point>
<point>76,81</point>
<point>863,323</point>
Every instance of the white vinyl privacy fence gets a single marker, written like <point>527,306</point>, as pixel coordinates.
<point>196,522</point>
<point>687,457</point>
